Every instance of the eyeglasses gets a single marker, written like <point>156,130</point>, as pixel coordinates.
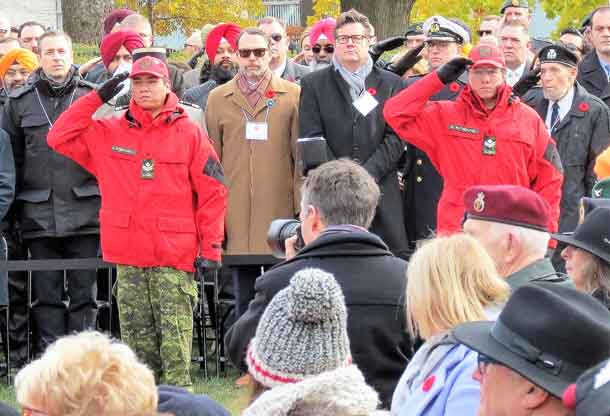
<point>343,39</point>
<point>484,32</point>
<point>276,37</point>
<point>259,52</point>
<point>483,361</point>
<point>327,48</point>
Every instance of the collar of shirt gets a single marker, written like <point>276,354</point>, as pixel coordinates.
<point>279,71</point>
<point>565,103</point>
<point>513,76</point>
<point>604,64</point>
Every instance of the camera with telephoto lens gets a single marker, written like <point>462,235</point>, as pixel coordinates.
<point>281,230</point>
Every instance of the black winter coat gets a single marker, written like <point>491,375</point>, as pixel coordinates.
<point>373,283</point>
<point>580,136</point>
<point>55,196</point>
<point>7,178</point>
<point>423,184</point>
<point>593,78</point>
<point>326,110</point>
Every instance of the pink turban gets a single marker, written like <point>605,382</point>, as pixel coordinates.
<point>324,27</point>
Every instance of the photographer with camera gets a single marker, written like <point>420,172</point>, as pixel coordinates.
<point>338,204</point>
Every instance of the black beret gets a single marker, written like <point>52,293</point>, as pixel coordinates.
<point>558,53</point>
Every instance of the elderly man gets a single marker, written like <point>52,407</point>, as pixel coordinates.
<point>253,121</point>
<point>511,222</point>
<point>57,213</point>
<point>515,42</point>
<point>484,137</point>
<point>221,47</point>
<point>544,339</point>
<point>283,67</point>
<point>516,10</point>
<point>322,41</point>
<point>594,69</point>
<point>29,36</point>
<point>580,124</point>
<point>423,184</point>
<point>15,68</point>
<point>343,103</point>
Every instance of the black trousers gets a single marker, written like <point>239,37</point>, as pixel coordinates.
<point>57,311</point>
<point>244,278</point>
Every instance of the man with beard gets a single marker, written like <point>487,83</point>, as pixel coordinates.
<point>580,124</point>
<point>29,36</point>
<point>254,123</point>
<point>7,45</point>
<point>57,201</point>
<point>278,41</point>
<point>220,45</point>
<point>322,40</point>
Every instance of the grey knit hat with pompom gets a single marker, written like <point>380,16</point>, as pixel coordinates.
<point>303,331</point>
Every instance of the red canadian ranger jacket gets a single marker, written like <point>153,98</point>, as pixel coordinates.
<point>163,196</point>
<point>471,145</point>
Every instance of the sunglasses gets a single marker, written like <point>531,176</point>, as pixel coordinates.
<point>483,361</point>
<point>259,53</point>
<point>276,37</point>
<point>484,32</point>
<point>327,49</point>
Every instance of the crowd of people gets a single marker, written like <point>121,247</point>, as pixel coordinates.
<point>452,186</point>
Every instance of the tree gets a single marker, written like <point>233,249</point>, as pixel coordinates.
<point>168,16</point>
<point>571,13</point>
<point>471,12</point>
<point>83,19</point>
<point>324,8</point>
<point>388,16</point>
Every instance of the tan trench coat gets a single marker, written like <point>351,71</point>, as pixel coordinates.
<point>260,175</point>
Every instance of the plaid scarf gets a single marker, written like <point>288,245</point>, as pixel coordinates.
<point>253,92</point>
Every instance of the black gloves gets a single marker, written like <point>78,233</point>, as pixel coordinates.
<point>528,81</point>
<point>453,69</point>
<point>207,268</point>
<point>193,61</point>
<point>385,45</point>
<point>111,87</point>
<point>407,62</point>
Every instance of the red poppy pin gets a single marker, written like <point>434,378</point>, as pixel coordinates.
<point>428,383</point>
<point>584,107</point>
<point>270,94</point>
<point>454,87</point>
<point>372,91</point>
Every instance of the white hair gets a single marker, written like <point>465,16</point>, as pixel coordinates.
<point>533,242</point>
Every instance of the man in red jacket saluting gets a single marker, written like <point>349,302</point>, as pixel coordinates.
<point>163,204</point>
<point>486,137</point>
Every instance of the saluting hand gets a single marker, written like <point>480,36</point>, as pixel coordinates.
<point>452,70</point>
<point>407,62</point>
<point>528,81</point>
<point>111,87</point>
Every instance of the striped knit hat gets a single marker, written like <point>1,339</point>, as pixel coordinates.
<point>303,331</point>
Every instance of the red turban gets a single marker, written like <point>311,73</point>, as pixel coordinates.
<point>112,43</point>
<point>115,16</point>
<point>324,27</point>
<point>229,31</point>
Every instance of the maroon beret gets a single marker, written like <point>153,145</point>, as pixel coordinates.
<point>508,204</point>
<point>114,17</point>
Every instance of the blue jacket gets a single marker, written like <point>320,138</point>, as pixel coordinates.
<point>448,389</point>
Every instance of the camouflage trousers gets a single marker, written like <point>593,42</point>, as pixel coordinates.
<point>156,315</point>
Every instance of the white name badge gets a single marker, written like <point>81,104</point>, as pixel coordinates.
<point>256,130</point>
<point>366,103</point>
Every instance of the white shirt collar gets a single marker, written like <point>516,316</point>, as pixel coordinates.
<point>565,103</point>
<point>513,76</point>
<point>279,71</point>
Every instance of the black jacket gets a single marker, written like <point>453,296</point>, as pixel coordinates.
<point>55,196</point>
<point>593,78</point>
<point>326,110</point>
<point>581,136</point>
<point>423,184</point>
<point>373,283</point>
<point>7,177</point>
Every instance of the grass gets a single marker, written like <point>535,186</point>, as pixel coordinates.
<point>222,390</point>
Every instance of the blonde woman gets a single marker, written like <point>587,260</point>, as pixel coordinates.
<point>450,280</point>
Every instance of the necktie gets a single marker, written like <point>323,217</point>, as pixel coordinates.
<point>554,116</point>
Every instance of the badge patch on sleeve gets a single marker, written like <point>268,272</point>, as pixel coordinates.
<point>148,169</point>
<point>489,146</point>
<point>214,170</point>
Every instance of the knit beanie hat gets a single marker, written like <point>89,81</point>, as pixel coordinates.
<point>303,331</point>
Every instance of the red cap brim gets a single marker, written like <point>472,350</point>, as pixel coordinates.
<point>154,74</point>
<point>487,62</point>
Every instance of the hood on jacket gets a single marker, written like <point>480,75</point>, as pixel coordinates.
<point>339,392</point>
<point>170,112</point>
<point>471,99</point>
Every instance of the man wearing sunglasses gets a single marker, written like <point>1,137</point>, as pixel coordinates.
<point>322,43</point>
<point>343,103</point>
<point>488,29</point>
<point>275,30</point>
<point>253,121</point>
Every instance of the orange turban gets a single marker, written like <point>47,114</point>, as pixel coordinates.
<point>23,57</point>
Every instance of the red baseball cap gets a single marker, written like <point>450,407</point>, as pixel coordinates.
<point>508,204</point>
<point>149,65</point>
<point>487,54</point>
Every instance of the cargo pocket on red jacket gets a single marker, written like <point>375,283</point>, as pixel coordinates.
<point>177,242</point>
<point>115,233</point>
